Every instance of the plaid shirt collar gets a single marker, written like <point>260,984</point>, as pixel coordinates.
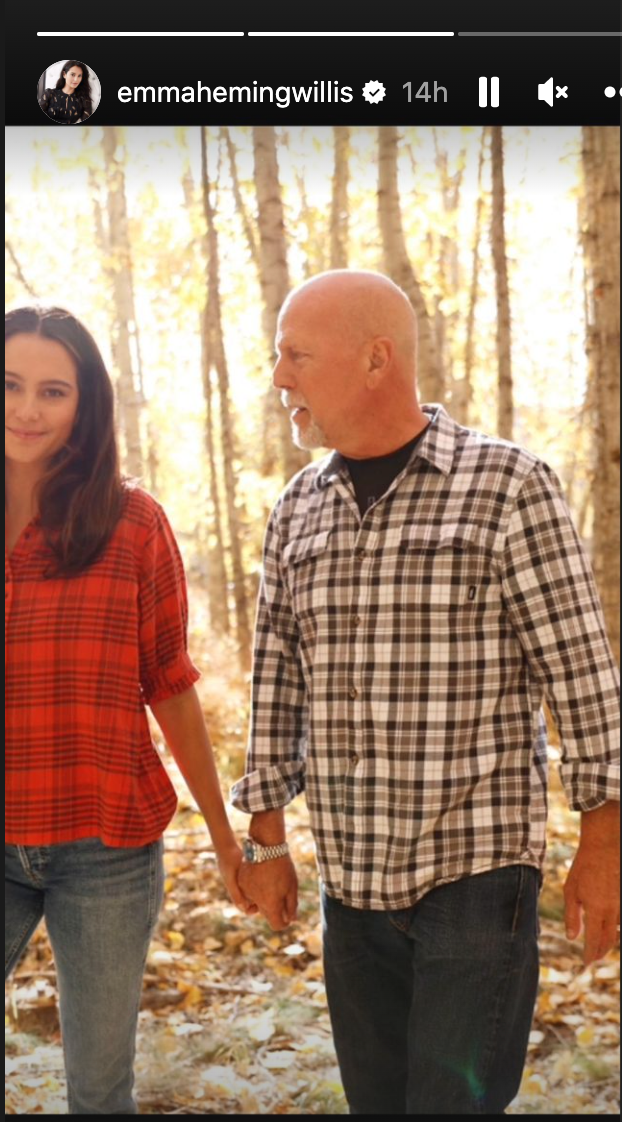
<point>437,446</point>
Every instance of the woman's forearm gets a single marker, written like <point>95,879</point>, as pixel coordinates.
<point>183,725</point>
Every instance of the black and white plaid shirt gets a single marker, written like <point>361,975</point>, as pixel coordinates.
<point>402,658</point>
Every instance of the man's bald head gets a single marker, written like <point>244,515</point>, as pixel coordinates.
<point>361,305</point>
<point>346,343</point>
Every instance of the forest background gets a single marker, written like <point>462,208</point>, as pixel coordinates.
<point>176,247</point>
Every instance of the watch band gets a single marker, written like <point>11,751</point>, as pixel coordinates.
<point>255,853</point>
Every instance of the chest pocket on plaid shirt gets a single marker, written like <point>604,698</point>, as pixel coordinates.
<point>448,566</point>
<point>306,563</point>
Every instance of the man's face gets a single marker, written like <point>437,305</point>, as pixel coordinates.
<point>320,373</point>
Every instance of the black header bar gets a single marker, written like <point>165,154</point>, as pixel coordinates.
<point>366,78</point>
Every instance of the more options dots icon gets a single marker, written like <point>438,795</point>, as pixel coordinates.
<point>610,91</point>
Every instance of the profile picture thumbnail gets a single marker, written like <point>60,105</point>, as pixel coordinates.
<point>69,92</point>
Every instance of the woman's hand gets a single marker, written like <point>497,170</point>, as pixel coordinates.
<point>229,861</point>
<point>181,719</point>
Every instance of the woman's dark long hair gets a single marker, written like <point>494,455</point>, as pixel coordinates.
<point>80,497</point>
<point>83,91</point>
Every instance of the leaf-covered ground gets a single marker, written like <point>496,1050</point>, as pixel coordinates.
<point>234,1016</point>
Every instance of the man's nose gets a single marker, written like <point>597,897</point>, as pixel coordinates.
<point>282,378</point>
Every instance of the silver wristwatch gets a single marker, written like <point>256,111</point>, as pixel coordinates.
<point>255,853</point>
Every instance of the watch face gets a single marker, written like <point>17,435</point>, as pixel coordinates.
<point>248,850</point>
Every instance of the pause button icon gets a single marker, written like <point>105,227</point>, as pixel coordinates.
<point>494,92</point>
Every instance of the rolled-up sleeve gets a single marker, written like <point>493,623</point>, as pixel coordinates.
<point>552,601</point>
<point>278,735</point>
<point>165,666</point>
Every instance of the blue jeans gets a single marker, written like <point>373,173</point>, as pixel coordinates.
<point>431,1006</point>
<point>100,905</point>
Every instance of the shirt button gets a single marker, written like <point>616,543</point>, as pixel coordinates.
<point>353,692</point>
<point>360,553</point>
<point>356,620</point>
<point>354,759</point>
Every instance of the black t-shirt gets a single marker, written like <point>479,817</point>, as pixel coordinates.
<point>65,109</point>
<point>372,477</point>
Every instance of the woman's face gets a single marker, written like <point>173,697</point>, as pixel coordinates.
<point>40,399</point>
<point>72,77</point>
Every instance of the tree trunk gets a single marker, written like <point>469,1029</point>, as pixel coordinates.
<point>505,402</point>
<point>449,278</point>
<point>469,345</point>
<point>247,225</point>
<point>217,584</point>
<point>601,166</point>
<point>213,542</point>
<point>124,326</point>
<point>312,239</point>
<point>339,204</point>
<point>218,360</point>
<point>274,281</point>
<point>399,268</point>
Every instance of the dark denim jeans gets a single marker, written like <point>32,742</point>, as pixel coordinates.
<point>431,1006</point>
<point>100,905</point>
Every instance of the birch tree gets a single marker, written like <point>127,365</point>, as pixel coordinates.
<point>274,281</point>
<point>217,584</point>
<point>601,240</point>
<point>339,214</point>
<point>217,360</point>
<point>449,277</point>
<point>242,209</point>
<point>469,344</point>
<point>399,266</point>
<point>124,339</point>
<point>505,399</point>
<point>217,580</point>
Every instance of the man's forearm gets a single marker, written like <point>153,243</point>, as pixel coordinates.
<point>600,828</point>
<point>268,827</point>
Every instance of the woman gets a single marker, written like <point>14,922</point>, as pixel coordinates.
<point>96,614</point>
<point>71,101</point>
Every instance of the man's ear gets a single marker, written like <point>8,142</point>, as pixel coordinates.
<point>379,360</point>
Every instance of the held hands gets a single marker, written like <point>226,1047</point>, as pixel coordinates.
<point>270,887</point>
<point>273,888</point>
<point>229,863</point>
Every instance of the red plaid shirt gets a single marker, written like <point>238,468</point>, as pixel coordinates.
<point>83,655</point>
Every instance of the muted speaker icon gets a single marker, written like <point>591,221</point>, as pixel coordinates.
<point>545,92</point>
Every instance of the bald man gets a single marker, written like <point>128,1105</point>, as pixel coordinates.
<point>423,591</point>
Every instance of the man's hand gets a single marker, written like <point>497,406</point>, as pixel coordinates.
<point>273,887</point>
<point>592,890</point>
